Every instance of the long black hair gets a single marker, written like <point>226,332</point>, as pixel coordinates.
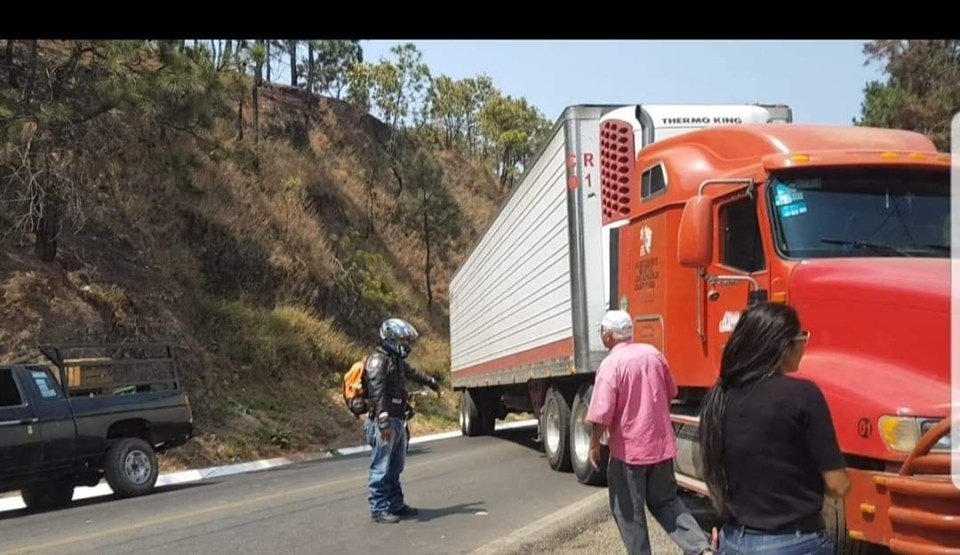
<point>754,352</point>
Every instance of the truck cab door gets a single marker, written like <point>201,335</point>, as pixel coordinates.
<point>54,418</point>
<point>739,267</point>
<point>21,447</point>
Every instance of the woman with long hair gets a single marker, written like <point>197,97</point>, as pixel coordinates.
<point>767,442</point>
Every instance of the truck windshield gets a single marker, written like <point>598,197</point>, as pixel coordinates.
<point>886,212</point>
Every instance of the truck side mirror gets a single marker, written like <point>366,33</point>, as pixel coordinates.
<point>695,241</point>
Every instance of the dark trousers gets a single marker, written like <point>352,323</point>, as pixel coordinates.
<point>636,487</point>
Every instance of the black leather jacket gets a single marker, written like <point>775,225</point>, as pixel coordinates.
<point>385,376</point>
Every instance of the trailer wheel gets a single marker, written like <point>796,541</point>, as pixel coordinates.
<point>130,467</point>
<point>556,430</point>
<point>836,521</point>
<point>470,418</point>
<point>580,432</point>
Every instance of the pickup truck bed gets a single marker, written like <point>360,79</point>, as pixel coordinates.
<point>74,423</point>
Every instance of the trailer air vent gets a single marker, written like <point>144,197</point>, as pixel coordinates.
<point>617,157</point>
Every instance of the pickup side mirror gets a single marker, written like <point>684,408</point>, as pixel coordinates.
<point>695,241</point>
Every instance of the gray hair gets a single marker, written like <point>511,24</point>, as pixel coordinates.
<point>618,323</point>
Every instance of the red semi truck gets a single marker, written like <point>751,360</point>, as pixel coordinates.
<point>683,215</point>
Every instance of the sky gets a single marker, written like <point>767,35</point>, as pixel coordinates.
<point>822,81</point>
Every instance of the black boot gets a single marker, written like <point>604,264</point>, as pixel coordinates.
<point>387,518</point>
<point>407,510</point>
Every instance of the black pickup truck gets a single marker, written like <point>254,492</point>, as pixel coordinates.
<point>90,417</point>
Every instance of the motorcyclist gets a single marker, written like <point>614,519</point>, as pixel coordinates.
<point>385,373</point>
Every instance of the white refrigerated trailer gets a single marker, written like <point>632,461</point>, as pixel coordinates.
<point>526,303</point>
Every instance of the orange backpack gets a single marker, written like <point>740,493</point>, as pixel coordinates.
<point>354,394</point>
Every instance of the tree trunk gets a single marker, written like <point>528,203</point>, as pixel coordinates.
<point>269,61</point>
<point>310,68</point>
<point>46,228</point>
<point>240,117</point>
<point>428,266</point>
<point>292,46</point>
<point>11,64</point>
<point>227,55</point>
<point>32,73</point>
<point>256,113</point>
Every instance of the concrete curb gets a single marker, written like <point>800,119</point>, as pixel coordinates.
<point>552,529</point>
<point>15,502</point>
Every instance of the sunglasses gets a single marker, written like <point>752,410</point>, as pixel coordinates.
<point>803,336</point>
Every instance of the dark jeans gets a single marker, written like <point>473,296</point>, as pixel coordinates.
<point>735,540</point>
<point>635,487</point>
<point>386,464</point>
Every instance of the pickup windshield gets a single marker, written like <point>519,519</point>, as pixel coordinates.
<point>888,212</point>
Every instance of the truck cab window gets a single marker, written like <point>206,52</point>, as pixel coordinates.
<point>740,244</point>
<point>9,393</point>
<point>45,384</point>
<point>863,212</point>
<point>652,181</point>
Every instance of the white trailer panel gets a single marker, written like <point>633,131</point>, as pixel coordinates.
<point>513,292</point>
<point>534,281</point>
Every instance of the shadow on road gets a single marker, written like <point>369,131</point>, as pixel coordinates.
<point>521,436</point>
<point>159,490</point>
<point>427,514</point>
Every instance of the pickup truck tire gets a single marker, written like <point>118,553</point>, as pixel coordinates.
<point>131,467</point>
<point>48,495</point>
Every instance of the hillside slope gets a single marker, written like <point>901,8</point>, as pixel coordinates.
<point>269,266</point>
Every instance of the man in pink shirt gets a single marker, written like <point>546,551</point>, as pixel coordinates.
<point>631,402</point>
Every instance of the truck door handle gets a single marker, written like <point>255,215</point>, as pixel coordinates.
<point>21,422</point>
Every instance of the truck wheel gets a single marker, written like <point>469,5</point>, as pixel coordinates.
<point>131,467</point>
<point>836,522</point>
<point>478,412</point>
<point>580,432</point>
<point>556,430</point>
<point>48,495</point>
<point>470,424</point>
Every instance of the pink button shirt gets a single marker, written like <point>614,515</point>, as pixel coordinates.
<point>631,396</point>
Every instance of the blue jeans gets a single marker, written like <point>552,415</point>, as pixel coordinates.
<point>734,540</point>
<point>386,464</point>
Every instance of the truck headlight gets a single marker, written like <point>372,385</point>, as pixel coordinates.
<point>944,443</point>
<point>902,433</point>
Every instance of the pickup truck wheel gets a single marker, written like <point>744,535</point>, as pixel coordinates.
<point>46,496</point>
<point>131,467</point>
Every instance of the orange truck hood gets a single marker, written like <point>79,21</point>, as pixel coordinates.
<point>880,341</point>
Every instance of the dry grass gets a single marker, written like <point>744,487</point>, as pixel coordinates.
<point>256,262</point>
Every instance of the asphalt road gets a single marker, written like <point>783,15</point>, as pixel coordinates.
<point>470,491</point>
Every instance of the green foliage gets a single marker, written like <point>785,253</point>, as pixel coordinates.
<point>922,90</point>
<point>363,296</point>
<point>432,213</point>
